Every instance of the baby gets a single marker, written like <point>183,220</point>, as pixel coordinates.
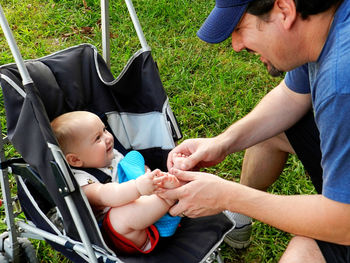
<point>127,210</point>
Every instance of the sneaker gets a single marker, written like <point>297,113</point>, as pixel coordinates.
<point>239,237</point>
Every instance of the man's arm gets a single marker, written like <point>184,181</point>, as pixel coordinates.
<point>275,113</point>
<point>312,216</point>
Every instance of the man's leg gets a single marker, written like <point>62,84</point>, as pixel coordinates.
<point>264,162</point>
<point>302,249</point>
<point>262,165</point>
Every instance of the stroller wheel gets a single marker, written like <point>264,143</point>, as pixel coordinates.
<point>28,253</point>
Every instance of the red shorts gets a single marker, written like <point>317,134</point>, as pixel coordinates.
<point>121,244</point>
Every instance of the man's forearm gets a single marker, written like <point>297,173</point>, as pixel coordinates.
<point>276,112</point>
<point>312,216</point>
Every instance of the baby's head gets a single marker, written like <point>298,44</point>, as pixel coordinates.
<point>83,139</point>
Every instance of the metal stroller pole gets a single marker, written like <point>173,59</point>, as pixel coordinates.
<point>12,247</point>
<point>13,234</point>
<point>14,49</point>
<point>106,53</point>
<point>137,25</point>
<point>105,29</point>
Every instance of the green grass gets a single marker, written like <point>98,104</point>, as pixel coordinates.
<point>209,86</point>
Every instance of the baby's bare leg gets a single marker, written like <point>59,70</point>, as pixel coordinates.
<point>132,219</point>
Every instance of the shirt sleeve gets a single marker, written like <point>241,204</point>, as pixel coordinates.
<point>83,178</point>
<point>335,146</point>
<point>298,80</point>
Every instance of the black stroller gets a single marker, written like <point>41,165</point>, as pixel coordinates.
<point>135,109</point>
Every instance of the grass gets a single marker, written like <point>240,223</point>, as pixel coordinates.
<point>209,86</point>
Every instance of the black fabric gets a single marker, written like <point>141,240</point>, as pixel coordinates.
<point>187,244</point>
<point>42,198</point>
<point>334,253</point>
<point>140,89</point>
<point>155,158</point>
<point>305,140</point>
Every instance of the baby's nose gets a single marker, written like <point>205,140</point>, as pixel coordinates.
<point>109,137</point>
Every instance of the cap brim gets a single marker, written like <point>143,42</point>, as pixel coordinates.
<point>220,23</point>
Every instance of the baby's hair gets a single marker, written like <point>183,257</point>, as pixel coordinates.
<point>64,128</point>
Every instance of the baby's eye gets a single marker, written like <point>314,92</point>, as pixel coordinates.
<point>105,129</point>
<point>98,138</point>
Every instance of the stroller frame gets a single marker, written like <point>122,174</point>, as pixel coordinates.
<point>15,239</point>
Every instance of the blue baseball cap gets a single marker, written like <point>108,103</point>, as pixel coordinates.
<point>222,20</point>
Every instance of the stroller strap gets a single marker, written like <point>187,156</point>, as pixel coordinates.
<point>102,177</point>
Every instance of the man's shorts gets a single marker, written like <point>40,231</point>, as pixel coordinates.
<point>304,138</point>
<point>120,244</point>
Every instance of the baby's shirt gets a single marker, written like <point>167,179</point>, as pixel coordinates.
<point>84,178</point>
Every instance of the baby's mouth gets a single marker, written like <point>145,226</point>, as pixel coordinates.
<point>110,148</point>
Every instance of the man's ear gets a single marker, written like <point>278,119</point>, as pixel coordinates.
<point>73,160</point>
<point>287,12</point>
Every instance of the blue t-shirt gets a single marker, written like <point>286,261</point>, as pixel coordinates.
<point>328,81</point>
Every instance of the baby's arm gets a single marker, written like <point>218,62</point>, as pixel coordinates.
<point>114,194</point>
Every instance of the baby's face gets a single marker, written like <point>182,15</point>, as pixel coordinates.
<point>95,143</point>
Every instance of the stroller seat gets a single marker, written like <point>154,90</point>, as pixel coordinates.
<point>134,107</point>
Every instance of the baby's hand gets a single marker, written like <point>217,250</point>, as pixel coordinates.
<point>145,184</point>
<point>166,181</point>
<point>178,160</point>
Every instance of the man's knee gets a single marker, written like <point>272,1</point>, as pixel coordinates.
<point>280,143</point>
<point>302,249</point>
<point>264,162</point>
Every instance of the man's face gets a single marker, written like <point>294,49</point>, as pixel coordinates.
<point>257,36</point>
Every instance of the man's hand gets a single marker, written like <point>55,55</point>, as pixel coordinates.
<point>202,195</point>
<point>193,154</point>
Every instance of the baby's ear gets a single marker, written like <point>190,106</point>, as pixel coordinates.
<point>73,160</point>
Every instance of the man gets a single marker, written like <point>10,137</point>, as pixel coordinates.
<point>306,114</point>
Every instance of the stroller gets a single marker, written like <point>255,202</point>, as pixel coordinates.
<point>134,107</point>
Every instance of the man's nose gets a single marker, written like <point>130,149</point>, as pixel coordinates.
<point>237,43</point>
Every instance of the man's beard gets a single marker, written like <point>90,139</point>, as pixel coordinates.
<point>273,71</point>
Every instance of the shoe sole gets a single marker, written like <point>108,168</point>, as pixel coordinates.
<point>239,241</point>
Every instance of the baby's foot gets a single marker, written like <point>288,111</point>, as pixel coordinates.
<point>167,181</point>
<point>178,160</point>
